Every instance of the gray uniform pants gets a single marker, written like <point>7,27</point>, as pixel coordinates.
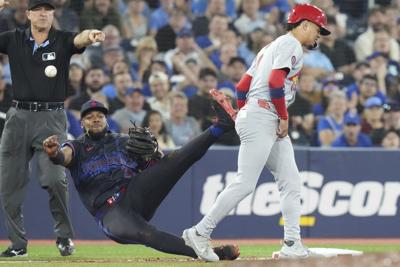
<point>23,135</point>
<point>256,127</point>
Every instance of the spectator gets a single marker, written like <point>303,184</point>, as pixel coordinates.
<point>213,40</point>
<point>16,19</point>
<point>222,57</point>
<point>160,16</point>
<point>352,137</point>
<point>368,88</point>
<point>166,35</point>
<point>135,24</point>
<point>75,80</point>
<point>160,87</point>
<point>392,116</point>
<point>268,6</point>
<point>235,70</point>
<point>199,105</point>
<point>73,126</point>
<point>352,90</point>
<point>251,18</point>
<point>201,22</point>
<point>309,89</point>
<point>233,37</point>
<point>188,83</point>
<point>329,87</point>
<point>201,7</point>
<point>110,56</point>
<point>182,127</point>
<point>331,125</point>
<point>387,71</point>
<point>186,48</point>
<point>132,111</point>
<point>372,124</point>
<point>337,50</point>
<point>332,10</point>
<point>64,17</point>
<point>391,139</point>
<point>146,50</point>
<point>301,121</point>
<point>121,81</point>
<point>100,14</point>
<point>363,46</point>
<point>94,54</point>
<point>318,64</point>
<point>155,66</point>
<point>260,38</point>
<point>94,81</point>
<point>154,121</point>
<point>109,89</point>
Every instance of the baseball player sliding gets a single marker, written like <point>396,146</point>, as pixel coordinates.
<point>263,95</point>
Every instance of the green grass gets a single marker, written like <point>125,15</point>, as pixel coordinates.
<point>111,255</point>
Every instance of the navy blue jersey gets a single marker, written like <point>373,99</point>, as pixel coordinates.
<point>100,168</point>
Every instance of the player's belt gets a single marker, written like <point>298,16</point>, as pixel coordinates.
<point>262,103</point>
<point>37,106</point>
<point>115,197</point>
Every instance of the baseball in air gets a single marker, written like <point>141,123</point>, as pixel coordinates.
<point>50,71</point>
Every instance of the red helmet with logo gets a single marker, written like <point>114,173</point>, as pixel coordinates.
<point>311,13</point>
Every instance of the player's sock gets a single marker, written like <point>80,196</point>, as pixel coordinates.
<point>206,226</point>
<point>216,130</point>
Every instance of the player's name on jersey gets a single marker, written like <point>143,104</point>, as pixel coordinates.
<point>332,198</point>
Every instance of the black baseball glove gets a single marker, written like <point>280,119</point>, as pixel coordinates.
<point>142,145</point>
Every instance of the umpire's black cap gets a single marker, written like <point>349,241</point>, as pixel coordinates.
<point>34,3</point>
<point>93,105</point>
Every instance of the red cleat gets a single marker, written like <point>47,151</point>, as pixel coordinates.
<point>224,102</point>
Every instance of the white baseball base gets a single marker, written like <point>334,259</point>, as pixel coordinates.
<point>327,252</point>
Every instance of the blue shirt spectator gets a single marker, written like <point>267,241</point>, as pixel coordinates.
<point>199,7</point>
<point>317,59</point>
<point>282,5</point>
<point>351,136</point>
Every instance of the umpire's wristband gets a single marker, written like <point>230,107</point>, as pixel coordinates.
<point>59,158</point>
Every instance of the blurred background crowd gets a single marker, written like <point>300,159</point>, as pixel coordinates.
<point>161,57</point>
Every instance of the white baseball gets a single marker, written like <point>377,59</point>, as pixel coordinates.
<point>50,71</point>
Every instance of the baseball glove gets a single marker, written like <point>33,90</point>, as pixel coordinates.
<point>142,145</point>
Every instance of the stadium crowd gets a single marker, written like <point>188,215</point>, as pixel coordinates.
<point>160,59</point>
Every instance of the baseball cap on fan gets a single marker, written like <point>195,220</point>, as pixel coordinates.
<point>34,3</point>
<point>92,105</point>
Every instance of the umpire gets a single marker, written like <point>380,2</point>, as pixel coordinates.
<point>37,111</point>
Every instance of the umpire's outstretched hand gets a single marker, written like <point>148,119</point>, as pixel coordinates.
<point>51,145</point>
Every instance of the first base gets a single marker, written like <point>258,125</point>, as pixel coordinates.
<point>327,252</point>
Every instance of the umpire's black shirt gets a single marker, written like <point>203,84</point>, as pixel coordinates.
<point>29,81</point>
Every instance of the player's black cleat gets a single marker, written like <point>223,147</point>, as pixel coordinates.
<point>65,246</point>
<point>11,252</point>
<point>227,252</point>
<point>222,120</point>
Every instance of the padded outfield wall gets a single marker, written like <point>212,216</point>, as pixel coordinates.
<point>346,193</point>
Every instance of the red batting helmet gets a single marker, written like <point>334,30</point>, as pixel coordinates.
<point>311,13</point>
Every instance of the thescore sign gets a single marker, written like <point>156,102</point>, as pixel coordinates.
<point>332,198</point>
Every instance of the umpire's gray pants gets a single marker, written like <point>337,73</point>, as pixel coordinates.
<point>23,134</point>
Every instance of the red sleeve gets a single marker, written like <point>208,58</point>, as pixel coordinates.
<point>276,85</point>
<point>242,87</point>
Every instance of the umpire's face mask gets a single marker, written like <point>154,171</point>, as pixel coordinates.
<point>94,125</point>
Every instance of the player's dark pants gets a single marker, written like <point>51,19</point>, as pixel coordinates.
<point>127,221</point>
